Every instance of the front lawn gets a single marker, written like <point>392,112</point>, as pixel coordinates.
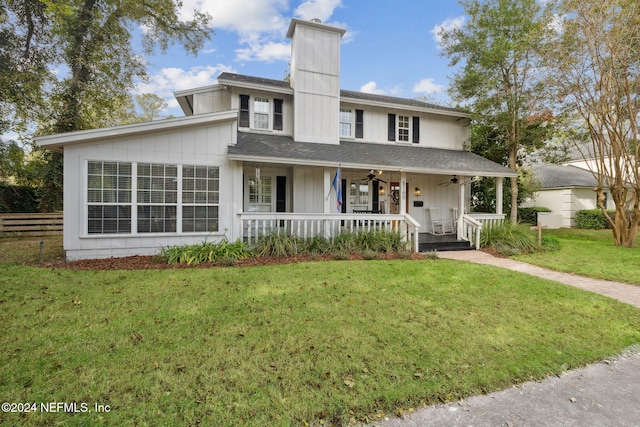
<point>589,253</point>
<point>287,344</point>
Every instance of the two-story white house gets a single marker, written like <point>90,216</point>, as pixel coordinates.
<point>254,155</point>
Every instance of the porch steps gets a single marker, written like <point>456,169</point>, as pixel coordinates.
<point>428,242</point>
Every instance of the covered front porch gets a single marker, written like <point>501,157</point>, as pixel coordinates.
<point>307,189</point>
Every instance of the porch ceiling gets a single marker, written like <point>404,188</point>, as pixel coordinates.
<point>362,155</point>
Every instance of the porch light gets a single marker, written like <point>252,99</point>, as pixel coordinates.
<point>381,191</point>
<point>417,192</point>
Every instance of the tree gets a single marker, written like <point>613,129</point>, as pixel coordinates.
<point>487,141</point>
<point>92,39</point>
<point>596,64</point>
<point>498,50</point>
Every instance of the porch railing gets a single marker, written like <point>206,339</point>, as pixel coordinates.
<point>487,219</point>
<point>471,229</point>
<point>257,224</point>
<point>473,223</point>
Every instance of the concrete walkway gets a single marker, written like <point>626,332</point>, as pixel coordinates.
<point>606,394</point>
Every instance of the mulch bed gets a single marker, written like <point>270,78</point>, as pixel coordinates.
<point>154,263</point>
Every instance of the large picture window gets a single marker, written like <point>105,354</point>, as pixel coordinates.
<point>162,194</point>
<point>109,197</point>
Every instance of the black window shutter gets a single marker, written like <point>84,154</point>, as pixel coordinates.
<point>244,111</point>
<point>375,199</point>
<point>359,124</point>
<point>277,114</point>
<point>392,127</point>
<point>416,130</point>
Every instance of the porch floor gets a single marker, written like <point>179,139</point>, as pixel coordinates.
<point>447,242</point>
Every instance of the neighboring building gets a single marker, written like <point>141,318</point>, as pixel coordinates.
<point>565,189</point>
<point>253,155</point>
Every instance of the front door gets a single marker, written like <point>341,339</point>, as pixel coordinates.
<point>394,198</point>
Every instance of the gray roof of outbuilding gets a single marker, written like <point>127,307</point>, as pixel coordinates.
<point>283,149</point>
<point>357,96</point>
<point>560,176</point>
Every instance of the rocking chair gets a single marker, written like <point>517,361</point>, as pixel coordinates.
<point>440,225</point>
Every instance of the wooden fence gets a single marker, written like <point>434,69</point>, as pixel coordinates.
<point>31,224</point>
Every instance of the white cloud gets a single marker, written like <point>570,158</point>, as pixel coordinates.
<point>428,86</point>
<point>321,9</point>
<point>255,16</point>
<point>372,87</point>
<point>265,51</point>
<point>447,25</point>
<point>168,80</point>
<point>261,24</point>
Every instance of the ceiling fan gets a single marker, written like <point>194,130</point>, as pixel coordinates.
<point>455,180</point>
<point>372,177</point>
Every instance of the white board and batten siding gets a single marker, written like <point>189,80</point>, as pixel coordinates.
<point>201,145</point>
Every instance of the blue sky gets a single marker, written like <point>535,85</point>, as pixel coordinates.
<point>390,47</point>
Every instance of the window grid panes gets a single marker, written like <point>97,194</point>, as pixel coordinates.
<point>346,120</point>
<point>359,195</point>
<point>157,197</point>
<point>200,198</point>
<point>403,128</point>
<point>109,197</point>
<point>261,113</point>
<point>260,194</point>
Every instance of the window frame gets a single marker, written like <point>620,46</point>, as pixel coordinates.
<point>145,193</point>
<point>342,122</point>
<point>274,114</point>
<point>117,206</point>
<point>403,128</point>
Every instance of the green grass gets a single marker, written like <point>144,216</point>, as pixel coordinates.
<point>20,250</point>
<point>288,344</point>
<point>589,253</point>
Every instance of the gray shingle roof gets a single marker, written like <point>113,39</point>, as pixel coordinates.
<point>361,96</point>
<point>254,80</point>
<point>283,149</point>
<point>559,176</point>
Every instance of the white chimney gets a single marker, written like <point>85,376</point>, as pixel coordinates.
<point>315,79</point>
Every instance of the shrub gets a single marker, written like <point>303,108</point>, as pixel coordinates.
<point>277,245</point>
<point>508,239</point>
<point>283,245</point>
<point>222,252</point>
<point>17,198</point>
<point>530,215</point>
<point>592,219</point>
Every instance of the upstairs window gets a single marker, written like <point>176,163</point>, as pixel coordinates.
<point>351,123</point>
<point>258,113</point>
<point>346,122</point>
<point>403,128</point>
<point>261,113</point>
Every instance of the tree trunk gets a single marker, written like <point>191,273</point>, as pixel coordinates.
<point>514,185</point>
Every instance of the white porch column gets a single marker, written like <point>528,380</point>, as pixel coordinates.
<point>499,181</point>
<point>461,205</point>
<point>329,197</point>
<point>403,192</point>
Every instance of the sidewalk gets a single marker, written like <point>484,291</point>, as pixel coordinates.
<point>605,394</point>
